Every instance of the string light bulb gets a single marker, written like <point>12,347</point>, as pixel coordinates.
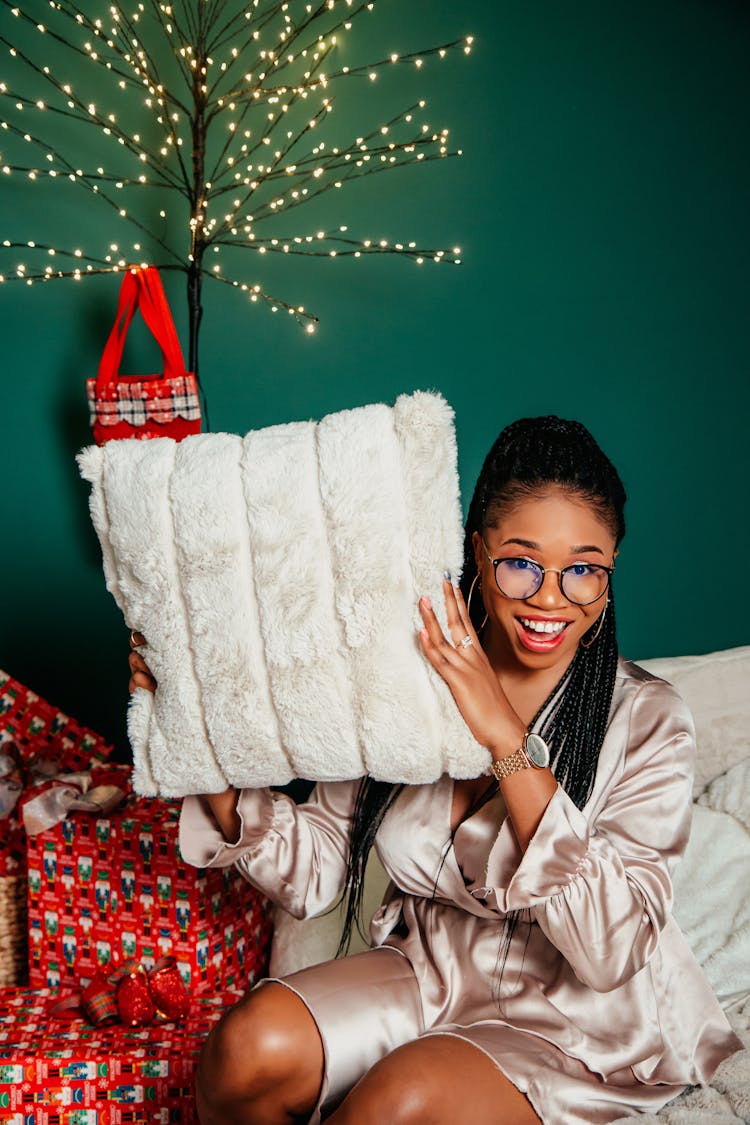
<point>250,84</point>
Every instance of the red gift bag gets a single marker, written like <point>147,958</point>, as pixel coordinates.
<point>127,406</point>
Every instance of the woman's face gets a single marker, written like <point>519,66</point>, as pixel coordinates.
<point>554,529</point>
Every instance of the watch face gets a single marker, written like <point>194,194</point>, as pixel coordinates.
<point>537,750</point>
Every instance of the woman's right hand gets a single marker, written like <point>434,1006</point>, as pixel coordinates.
<point>140,673</point>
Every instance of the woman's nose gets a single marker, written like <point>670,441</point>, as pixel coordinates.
<point>549,595</point>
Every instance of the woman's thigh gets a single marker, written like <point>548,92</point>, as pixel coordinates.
<point>435,1080</point>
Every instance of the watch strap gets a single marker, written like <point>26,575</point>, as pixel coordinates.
<point>512,763</point>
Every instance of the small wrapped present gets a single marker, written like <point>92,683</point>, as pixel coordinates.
<point>71,1073</point>
<point>36,740</point>
<point>104,889</point>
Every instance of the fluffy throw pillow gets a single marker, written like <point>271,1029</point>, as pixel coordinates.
<point>715,688</point>
<point>276,578</point>
<point>712,900</point>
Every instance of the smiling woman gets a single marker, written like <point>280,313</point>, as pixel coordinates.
<point>526,905</point>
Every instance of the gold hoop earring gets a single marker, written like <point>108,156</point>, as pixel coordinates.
<point>598,631</point>
<point>468,601</point>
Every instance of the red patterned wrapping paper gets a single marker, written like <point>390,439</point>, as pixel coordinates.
<point>12,846</point>
<point>55,1073</point>
<point>102,890</point>
<point>39,731</point>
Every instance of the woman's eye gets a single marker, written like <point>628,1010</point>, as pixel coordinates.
<point>517,565</point>
<point>581,569</point>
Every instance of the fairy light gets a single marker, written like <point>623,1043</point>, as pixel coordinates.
<point>237,137</point>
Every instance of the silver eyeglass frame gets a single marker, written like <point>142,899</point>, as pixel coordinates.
<point>609,570</point>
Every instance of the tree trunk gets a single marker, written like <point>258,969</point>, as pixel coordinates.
<point>198,217</point>
<point>195,308</point>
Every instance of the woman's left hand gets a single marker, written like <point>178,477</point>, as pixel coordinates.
<point>468,673</point>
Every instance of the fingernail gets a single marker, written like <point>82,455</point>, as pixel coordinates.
<point>426,602</point>
<point>447,576</point>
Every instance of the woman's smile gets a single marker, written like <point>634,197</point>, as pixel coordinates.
<point>541,634</point>
<point>553,530</point>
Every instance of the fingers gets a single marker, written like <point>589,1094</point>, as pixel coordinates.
<point>434,644</point>
<point>140,673</point>
<point>455,624</point>
<point>136,639</point>
<point>463,612</point>
<point>458,619</point>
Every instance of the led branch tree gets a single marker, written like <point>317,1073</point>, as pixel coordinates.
<point>219,110</point>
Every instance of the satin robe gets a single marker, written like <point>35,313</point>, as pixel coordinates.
<point>600,1009</point>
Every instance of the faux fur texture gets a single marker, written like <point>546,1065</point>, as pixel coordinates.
<point>276,578</point>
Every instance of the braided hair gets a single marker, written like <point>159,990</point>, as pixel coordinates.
<point>528,457</point>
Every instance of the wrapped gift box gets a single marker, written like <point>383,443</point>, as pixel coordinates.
<point>104,889</point>
<point>32,732</point>
<point>70,1073</point>
<point>42,732</point>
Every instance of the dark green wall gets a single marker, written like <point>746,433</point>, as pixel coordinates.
<point>602,209</point>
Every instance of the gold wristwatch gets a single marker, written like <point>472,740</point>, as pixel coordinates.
<point>534,753</point>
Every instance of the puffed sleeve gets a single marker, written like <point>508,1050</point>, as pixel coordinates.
<point>601,889</point>
<point>294,854</point>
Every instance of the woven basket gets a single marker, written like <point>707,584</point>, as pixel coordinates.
<point>13,930</point>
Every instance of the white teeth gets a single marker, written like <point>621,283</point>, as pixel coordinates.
<point>544,626</point>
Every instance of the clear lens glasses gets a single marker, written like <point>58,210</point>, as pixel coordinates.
<point>581,583</point>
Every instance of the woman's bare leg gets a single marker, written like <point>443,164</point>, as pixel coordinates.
<point>437,1080</point>
<point>262,1064</point>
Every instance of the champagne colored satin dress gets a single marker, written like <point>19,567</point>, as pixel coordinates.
<point>600,1010</point>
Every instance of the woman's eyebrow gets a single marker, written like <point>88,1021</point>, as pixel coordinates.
<point>580,549</point>
<point>522,543</point>
<point>577,549</point>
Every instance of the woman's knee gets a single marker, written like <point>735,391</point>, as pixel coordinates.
<point>398,1089</point>
<point>266,1049</point>
<point>435,1079</point>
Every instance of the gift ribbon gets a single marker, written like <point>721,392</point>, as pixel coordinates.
<point>53,794</point>
<point>67,792</point>
<point>130,994</point>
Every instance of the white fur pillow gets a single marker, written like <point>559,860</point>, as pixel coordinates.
<point>276,578</point>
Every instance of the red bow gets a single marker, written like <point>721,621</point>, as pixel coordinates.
<point>131,995</point>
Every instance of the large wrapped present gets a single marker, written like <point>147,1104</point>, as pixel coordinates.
<point>36,738</point>
<point>103,889</point>
<point>71,1073</point>
<point>42,732</point>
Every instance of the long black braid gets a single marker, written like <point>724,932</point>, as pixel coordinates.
<point>527,457</point>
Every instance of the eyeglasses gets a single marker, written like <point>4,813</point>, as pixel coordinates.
<point>520,578</point>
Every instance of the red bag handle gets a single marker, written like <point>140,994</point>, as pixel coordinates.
<point>141,288</point>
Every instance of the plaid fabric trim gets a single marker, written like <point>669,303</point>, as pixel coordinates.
<point>140,401</point>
